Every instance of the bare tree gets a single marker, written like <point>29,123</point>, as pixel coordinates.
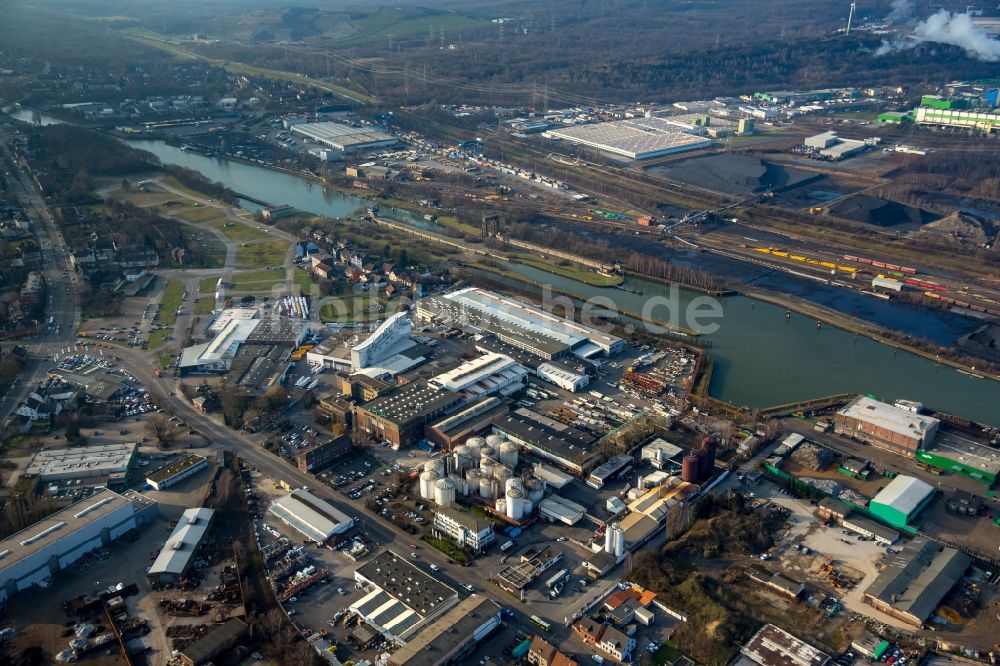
<point>159,427</point>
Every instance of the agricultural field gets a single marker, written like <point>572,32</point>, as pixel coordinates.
<point>258,255</point>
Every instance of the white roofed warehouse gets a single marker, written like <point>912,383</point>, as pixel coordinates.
<point>886,426</point>
<point>29,557</point>
<point>902,500</point>
<point>313,517</point>
<point>177,554</point>
<point>635,139</point>
<point>344,138</point>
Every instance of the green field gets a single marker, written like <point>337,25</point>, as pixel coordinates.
<point>410,23</point>
<point>170,301</point>
<point>211,251</point>
<point>357,307</point>
<point>258,255</point>
<point>158,337</point>
<point>237,231</point>
<point>197,214</point>
<point>572,271</point>
<point>204,306</point>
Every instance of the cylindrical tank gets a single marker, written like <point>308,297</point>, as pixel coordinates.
<point>486,467</point>
<point>487,451</point>
<point>514,483</point>
<point>461,457</point>
<point>609,540</point>
<point>501,506</point>
<point>494,440</point>
<point>444,492</point>
<point>427,479</point>
<point>475,441</point>
<point>529,507</point>
<point>618,540</point>
<point>691,468</point>
<point>431,466</point>
<point>487,487</point>
<point>515,504</point>
<point>536,490</point>
<point>475,450</point>
<point>508,454</point>
<point>501,474</point>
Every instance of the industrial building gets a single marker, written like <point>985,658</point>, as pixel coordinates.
<point>633,139</point>
<point>231,331</point>
<point>313,517</point>
<point>401,416</point>
<point>482,376</point>
<point>177,471</point>
<point>323,455</point>
<point>551,476</point>
<point>451,637</point>
<point>563,377</point>
<point>961,455</point>
<point>384,344</point>
<point>885,426</point>
<point>90,464</point>
<point>773,646</point>
<point>344,138</point>
<point>400,598</point>
<point>517,324</point>
<point>29,557</point>
<point>177,554</point>
<point>660,453</point>
<point>217,354</point>
<point>984,121</point>
<point>223,637</point>
<point>916,579</point>
<point>473,419</point>
<point>902,500</point>
<point>463,528</point>
<point>609,469</point>
<point>560,509</point>
<point>564,445</point>
<point>666,503</point>
<point>831,146</point>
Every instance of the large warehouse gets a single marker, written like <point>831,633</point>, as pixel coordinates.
<point>344,137</point>
<point>902,500</point>
<point>314,518</point>
<point>886,426</point>
<point>636,139</point>
<point>916,579</point>
<point>88,463</point>
<point>482,376</point>
<point>452,636</point>
<point>518,324</point>
<point>400,598</point>
<point>32,555</point>
<point>961,455</point>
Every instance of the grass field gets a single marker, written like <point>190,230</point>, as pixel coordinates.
<point>237,231</point>
<point>257,255</point>
<point>572,271</point>
<point>211,251</point>
<point>197,214</point>
<point>204,306</point>
<point>407,23</point>
<point>171,300</point>
<point>158,337</point>
<point>357,307</point>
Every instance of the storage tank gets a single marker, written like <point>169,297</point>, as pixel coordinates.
<point>486,467</point>
<point>431,466</point>
<point>536,490</point>
<point>608,540</point>
<point>427,479</point>
<point>529,507</point>
<point>515,504</point>
<point>508,454</point>
<point>691,468</point>
<point>460,455</point>
<point>494,440</point>
<point>488,451</point>
<point>501,506</point>
<point>487,487</point>
<point>707,458</point>
<point>501,474</point>
<point>514,483</point>
<point>444,492</point>
<point>478,442</point>
<point>614,540</point>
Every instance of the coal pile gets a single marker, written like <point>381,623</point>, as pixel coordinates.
<point>740,175</point>
<point>880,212</point>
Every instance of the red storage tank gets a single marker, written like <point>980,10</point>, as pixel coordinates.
<point>691,468</point>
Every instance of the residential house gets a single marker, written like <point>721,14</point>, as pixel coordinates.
<point>616,644</point>
<point>589,630</point>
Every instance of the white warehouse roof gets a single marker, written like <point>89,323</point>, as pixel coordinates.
<point>904,493</point>
<point>890,417</point>
<point>315,518</point>
<point>182,542</point>
<point>637,139</point>
<point>560,508</point>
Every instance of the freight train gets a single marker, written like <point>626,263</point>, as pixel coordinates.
<point>902,270</point>
<point>962,304</point>
<point>775,252</point>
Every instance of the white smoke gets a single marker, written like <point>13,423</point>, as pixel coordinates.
<point>901,9</point>
<point>947,28</point>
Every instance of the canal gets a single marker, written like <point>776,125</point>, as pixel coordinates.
<point>761,357</point>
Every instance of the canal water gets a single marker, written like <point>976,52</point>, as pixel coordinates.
<point>761,357</point>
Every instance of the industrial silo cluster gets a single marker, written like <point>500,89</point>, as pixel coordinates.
<point>482,467</point>
<point>697,467</point>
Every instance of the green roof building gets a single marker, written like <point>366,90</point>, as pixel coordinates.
<point>901,501</point>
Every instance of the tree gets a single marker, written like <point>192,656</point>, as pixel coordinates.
<point>403,259</point>
<point>160,428</point>
<point>387,251</point>
<point>276,398</point>
<point>73,431</point>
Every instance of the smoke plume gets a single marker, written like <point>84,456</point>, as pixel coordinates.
<point>901,9</point>
<point>947,28</point>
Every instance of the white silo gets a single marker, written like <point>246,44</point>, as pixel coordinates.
<point>486,467</point>
<point>535,490</point>
<point>501,506</point>
<point>508,454</point>
<point>515,504</point>
<point>487,487</point>
<point>435,465</point>
<point>529,506</point>
<point>494,440</point>
<point>475,450</point>
<point>609,540</point>
<point>478,442</point>
<point>472,477</point>
<point>514,483</point>
<point>462,462</point>
<point>614,540</point>
<point>501,474</point>
<point>427,479</point>
<point>488,451</point>
<point>444,492</point>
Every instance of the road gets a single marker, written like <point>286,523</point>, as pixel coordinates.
<point>61,287</point>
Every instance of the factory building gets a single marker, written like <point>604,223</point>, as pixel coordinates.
<point>660,453</point>
<point>902,500</point>
<point>666,503</point>
<point>517,324</point>
<point>483,376</point>
<point>916,579</point>
<point>391,338</point>
<point>609,469</point>
<point>553,440</point>
<point>29,557</point>
<point>177,471</point>
<point>217,354</point>
<point>962,456</point>
<point>96,464</point>
<point>401,416</point>
<point>985,121</point>
<point>323,455</point>
<point>885,426</point>
<point>773,646</point>
<point>400,599</point>
<point>555,508</point>
<point>344,138</point>
<point>562,377</point>
<point>463,528</point>
<point>313,517</point>
<point>551,476</point>
<point>177,554</point>
<point>455,429</point>
<point>632,139</point>
<point>453,636</point>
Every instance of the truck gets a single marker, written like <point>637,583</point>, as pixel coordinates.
<point>555,580</point>
<point>506,546</point>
